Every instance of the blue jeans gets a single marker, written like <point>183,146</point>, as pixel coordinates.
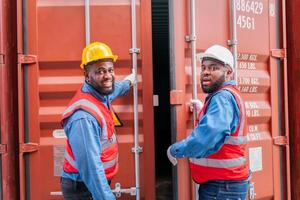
<point>75,190</point>
<point>223,190</point>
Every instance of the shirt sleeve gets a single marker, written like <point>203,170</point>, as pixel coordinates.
<point>84,138</point>
<point>220,120</point>
<point>121,89</point>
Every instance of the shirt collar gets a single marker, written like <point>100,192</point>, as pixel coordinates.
<point>232,82</point>
<point>90,89</point>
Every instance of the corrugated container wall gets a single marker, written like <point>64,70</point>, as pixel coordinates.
<point>8,101</point>
<point>47,46</point>
<point>293,44</point>
<point>261,78</point>
<point>52,35</point>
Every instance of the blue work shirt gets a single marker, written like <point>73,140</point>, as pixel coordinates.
<point>221,119</point>
<point>84,133</point>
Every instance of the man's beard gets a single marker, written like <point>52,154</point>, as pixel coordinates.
<point>103,92</point>
<point>214,87</point>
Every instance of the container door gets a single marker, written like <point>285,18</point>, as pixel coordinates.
<point>53,36</point>
<point>3,147</point>
<point>8,102</point>
<point>260,75</point>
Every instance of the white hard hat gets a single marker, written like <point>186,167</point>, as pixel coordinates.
<point>219,53</point>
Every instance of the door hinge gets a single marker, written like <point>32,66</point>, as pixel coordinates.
<point>27,59</point>
<point>28,147</point>
<point>281,140</point>
<point>278,53</point>
<point>3,148</point>
<point>190,38</point>
<point>176,97</point>
<point>2,58</point>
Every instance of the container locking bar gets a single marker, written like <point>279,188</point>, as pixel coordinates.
<point>281,140</point>
<point>1,58</point>
<point>134,50</point>
<point>28,147</point>
<point>278,53</point>
<point>3,148</point>
<point>118,190</point>
<point>137,149</point>
<point>27,59</point>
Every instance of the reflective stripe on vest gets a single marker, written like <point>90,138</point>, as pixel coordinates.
<point>108,138</point>
<point>109,164</point>
<point>71,161</point>
<point>219,163</point>
<point>237,140</point>
<point>106,164</point>
<point>108,142</point>
<point>241,128</point>
<point>89,104</point>
<point>232,140</point>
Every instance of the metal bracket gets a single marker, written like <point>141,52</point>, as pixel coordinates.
<point>281,140</point>
<point>137,150</point>
<point>251,191</point>
<point>232,42</point>
<point>278,53</point>
<point>27,59</point>
<point>190,38</point>
<point>134,50</point>
<point>3,148</point>
<point>118,190</point>
<point>2,58</point>
<point>28,147</point>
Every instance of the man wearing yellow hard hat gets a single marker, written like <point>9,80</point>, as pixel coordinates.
<point>91,156</point>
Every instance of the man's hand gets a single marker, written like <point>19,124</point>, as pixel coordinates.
<point>131,77</point>
<point>172,159</point>
<point>196,104</point>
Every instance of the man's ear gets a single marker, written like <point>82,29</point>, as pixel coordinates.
<point>229,71</point>
<point>229,74</point>
<point>86,75</point>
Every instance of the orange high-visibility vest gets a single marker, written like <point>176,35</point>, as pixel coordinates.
<point>109,154</point>
<point>229,163</point>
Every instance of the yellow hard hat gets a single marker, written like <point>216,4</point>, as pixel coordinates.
<point>96,51</point>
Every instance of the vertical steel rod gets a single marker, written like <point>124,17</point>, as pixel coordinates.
<point>193,52</point>
<point>87,21</point>
<point>233,41</point>
<point>134,52</point>
<point>194,66</point>
<point>286,100</point>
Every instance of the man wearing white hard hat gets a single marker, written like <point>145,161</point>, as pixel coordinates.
<point>216,147</point>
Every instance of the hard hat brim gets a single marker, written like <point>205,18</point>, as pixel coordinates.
<point>113,57</point>
<point>208,55</point>
<point>201,56</point>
